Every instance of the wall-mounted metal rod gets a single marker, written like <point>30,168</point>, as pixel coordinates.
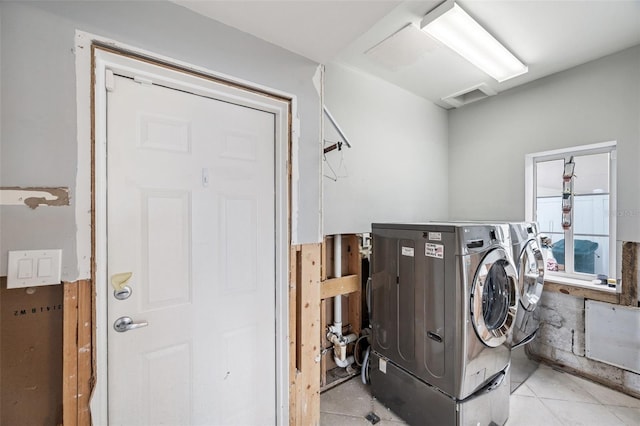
<point>335,125</point>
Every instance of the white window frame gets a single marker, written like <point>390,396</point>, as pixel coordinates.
<point>530,201</point>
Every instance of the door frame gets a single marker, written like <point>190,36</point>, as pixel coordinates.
<point>99,54</point>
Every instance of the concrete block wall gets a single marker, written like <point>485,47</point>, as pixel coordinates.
<point>561,341</point>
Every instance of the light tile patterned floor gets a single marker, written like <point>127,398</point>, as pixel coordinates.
<point>547,398</point>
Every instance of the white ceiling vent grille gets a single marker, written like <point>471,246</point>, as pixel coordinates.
<point>402,49</point>
<point>469,95</point>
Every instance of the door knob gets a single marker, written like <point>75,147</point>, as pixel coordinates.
<point>123,324</point>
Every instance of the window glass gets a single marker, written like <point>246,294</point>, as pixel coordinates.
<point>549,178</point>
<point>591,174</point>
<point>549,209</point>
<point>591,214</point>
<point>588,210</point>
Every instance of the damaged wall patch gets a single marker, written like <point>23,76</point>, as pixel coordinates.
<point>34,196</point>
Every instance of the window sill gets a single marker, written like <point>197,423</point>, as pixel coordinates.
<point>580,288</point>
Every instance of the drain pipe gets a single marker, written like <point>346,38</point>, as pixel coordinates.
<point>337,273</point>
<point>335,331</point>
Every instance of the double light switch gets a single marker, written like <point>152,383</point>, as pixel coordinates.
<point>31,268</point>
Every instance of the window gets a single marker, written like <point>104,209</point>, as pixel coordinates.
<point>573,205</point>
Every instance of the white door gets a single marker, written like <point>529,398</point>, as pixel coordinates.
<point>190,215</point>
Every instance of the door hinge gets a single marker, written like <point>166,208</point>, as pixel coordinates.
<point>109,81</point>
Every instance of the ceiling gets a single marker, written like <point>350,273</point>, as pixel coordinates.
<point>547,35</point>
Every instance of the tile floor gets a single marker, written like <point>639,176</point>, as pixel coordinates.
<point>546,398</point>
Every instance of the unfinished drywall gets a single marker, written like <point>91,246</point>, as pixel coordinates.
<point>34,197</point>
<point>396,169</point>
<point>38,144</point>
<point>595,102</point>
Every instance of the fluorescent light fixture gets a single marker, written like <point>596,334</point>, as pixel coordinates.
<point>452,26</point>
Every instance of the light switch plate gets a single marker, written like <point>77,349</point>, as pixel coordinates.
<point>31,268</point>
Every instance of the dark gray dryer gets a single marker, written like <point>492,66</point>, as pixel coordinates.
<point>444,299</point>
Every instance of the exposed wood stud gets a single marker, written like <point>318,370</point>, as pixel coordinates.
<point>293,333</point>
<point>586,293</point>
<point>343,285</point>
<point>354,263</point>
<point>77,368</point>
<point>85,351</point>
<point>630,263</point>
<point>324,343</point>
<point>70,354</point>
<point>304,404</point>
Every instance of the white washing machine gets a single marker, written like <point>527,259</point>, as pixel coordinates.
<point>444,301</point>
<point>530,266</point>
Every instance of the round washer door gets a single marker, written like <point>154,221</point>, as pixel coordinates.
<point>494,298</point>
<point>530,275</point>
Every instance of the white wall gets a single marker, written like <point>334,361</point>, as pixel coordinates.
<point>397,167</point>
<point>595,102</point>
<point>38,144</point>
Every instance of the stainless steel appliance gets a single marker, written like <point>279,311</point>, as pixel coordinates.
<point>444,300</point>
<point>530,266</point>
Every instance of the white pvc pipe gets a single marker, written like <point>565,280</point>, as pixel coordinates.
<point>337,273</point>
<point>343,364</point>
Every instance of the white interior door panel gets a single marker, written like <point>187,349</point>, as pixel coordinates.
<point>191,215</point>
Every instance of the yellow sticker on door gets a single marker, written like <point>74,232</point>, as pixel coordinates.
<point>434,250</point>
<point>118,281</point>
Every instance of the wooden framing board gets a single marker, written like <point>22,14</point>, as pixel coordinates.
<point>343,285</point>
<point>325,263</point>
<point>77,367</point>
<point>586,293</point>
<point>70,354</point>
<point>324,343</point>
<point>304,405</point>
<point>86,357</point>
<point>354,265</point>
<point>294,257</point>
<point>630,264</point>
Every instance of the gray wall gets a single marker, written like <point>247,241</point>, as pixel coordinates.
<point>595,102</point>
<point>396,170</point>
<point>38,143</point>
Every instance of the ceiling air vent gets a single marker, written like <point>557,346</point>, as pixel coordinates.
<point>469,95</point>
<point>402,49</point>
